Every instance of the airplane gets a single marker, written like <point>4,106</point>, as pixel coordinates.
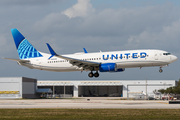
<point>114,61</point>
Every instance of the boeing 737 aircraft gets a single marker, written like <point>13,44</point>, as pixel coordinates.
<point>115,61</point>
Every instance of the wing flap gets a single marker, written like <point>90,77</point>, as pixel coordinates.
<point>76,62</point>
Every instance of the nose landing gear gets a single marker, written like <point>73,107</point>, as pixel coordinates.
<point>93,75</point>
<point>160,70</point>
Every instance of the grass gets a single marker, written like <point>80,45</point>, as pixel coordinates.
<point>90,114</point>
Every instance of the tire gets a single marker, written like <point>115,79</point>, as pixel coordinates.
<point>160,70</point>
<point>90,75</point>
<point>96,74</point>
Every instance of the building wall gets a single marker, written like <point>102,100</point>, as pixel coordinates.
<point>140,85</point>
<point>21,87</point>
<point>29,87</point>
<point>11,87</point>
<point>17,87</point>
<point>127,86</point>
<point>75,90</point>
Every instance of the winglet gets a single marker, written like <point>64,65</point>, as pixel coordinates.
<point>85,51</point>
<point>53,53</point>
<point>51,50</point>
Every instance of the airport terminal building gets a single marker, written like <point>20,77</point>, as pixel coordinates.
<point>21,87</point>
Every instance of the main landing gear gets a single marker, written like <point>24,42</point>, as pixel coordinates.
<point>160,70</point>
<point>91,74</point>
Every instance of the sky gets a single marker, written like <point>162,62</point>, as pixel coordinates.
<point>70,25</point>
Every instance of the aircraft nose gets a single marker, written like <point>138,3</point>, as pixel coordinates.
<point>174,58</point>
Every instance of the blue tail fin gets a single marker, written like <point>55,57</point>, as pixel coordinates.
<point>24,48</point>
<point>85,51</point>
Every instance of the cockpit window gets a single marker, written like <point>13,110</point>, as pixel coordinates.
<point>166,53</point>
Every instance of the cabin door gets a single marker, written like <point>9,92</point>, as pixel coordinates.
<point>156,55</point>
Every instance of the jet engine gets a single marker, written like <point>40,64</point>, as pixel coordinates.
<point>110,67</point>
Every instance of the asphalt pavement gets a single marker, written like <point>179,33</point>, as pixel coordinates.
<point>88,103</point>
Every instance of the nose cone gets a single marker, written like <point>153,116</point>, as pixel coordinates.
<point>173,58</point>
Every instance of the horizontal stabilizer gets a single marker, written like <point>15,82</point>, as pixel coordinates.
<point>17,60</point>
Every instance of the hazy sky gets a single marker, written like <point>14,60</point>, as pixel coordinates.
<point>70,25</point>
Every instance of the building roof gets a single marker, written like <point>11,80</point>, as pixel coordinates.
<point>101,83</point>
<point>105,83</point>
<point>55,83</point>
<point>80,83</point>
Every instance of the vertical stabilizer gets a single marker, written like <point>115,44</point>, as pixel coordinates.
<point>24,48</point>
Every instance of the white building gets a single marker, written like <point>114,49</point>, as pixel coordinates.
<point>108,88</point>
<point>21,87</point>
<point>17,87</point>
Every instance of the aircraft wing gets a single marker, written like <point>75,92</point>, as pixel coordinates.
<point>77,62</point>
<point>17,60</point>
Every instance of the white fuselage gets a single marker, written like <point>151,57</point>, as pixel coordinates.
<point>123,59</point>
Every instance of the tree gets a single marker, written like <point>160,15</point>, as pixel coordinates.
<point>178,83</point>
<point>171,90</point>
<point>162,91</point>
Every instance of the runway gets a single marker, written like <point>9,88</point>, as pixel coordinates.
<point>84,103</point>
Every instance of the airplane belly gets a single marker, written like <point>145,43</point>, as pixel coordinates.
<point>59,68</point>
<point>53,67</point>
<point>132,64</point>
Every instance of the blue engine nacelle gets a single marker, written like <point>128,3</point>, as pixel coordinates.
<point>109,67</point>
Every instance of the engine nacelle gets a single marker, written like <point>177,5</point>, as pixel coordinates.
<point>109,67</point>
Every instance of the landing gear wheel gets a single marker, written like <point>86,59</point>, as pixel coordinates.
<point>160,70</point>
<point>90,74</point>
<point>96,74</point>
